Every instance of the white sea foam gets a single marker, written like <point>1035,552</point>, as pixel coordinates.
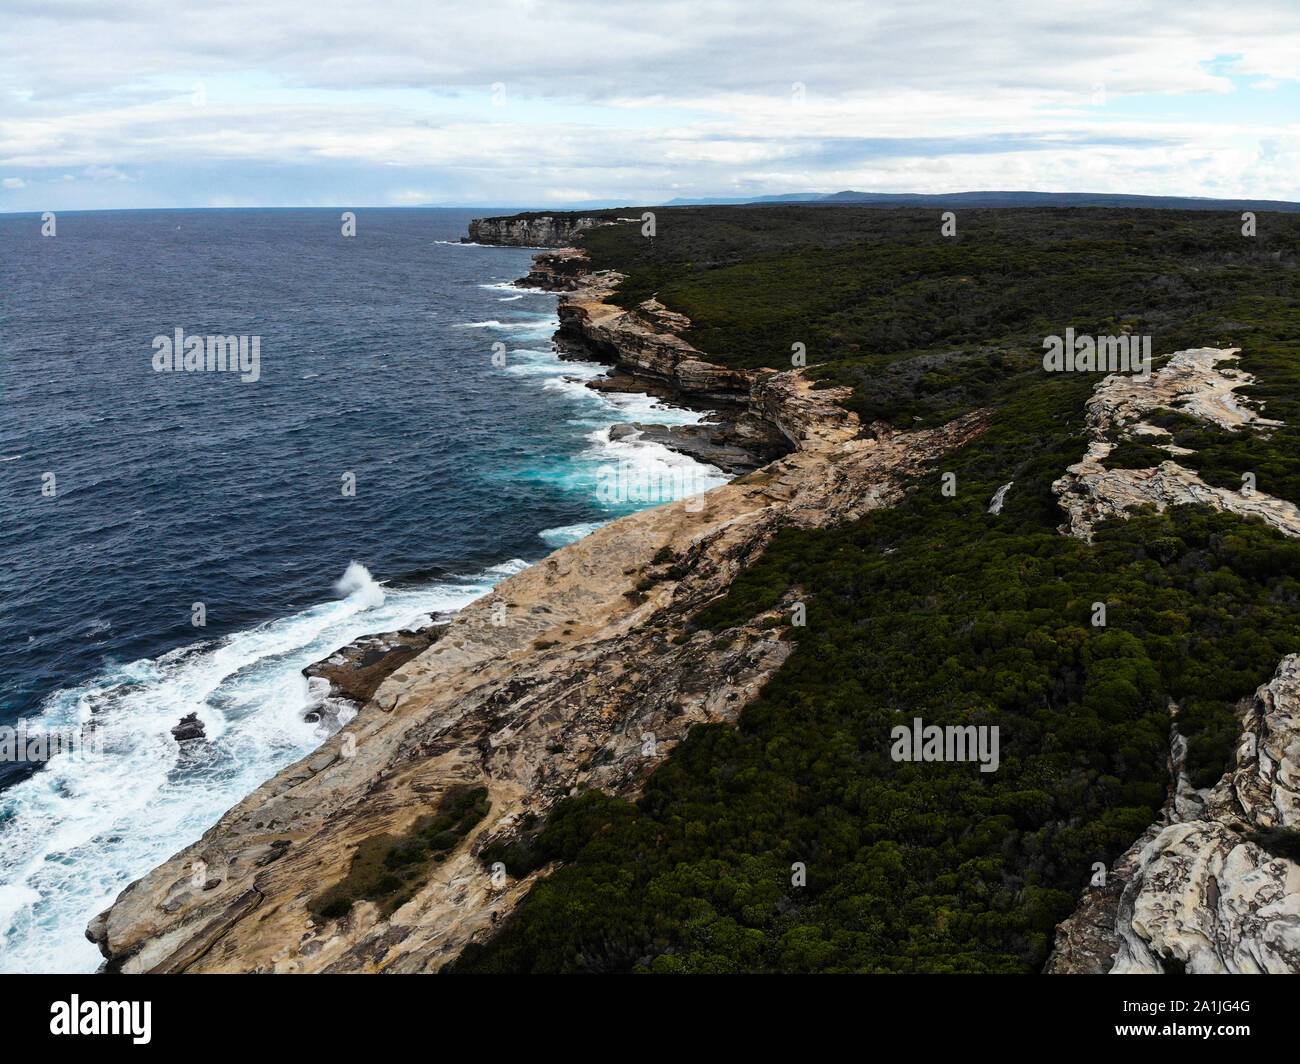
<point>510,286</point>
<point>593,414</point>
<point>528,325</point>
<point>358,585</point>
<point>75,833</point>
<point>565,534</point>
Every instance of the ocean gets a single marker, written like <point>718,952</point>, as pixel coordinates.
<point>376,468</point>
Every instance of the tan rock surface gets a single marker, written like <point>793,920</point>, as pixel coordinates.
<point>1200,892</point>
<point>1203,386</point>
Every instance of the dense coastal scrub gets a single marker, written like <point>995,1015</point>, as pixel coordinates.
<point>939,609</point>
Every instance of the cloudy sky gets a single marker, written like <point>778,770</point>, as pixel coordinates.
<point>144,103</point>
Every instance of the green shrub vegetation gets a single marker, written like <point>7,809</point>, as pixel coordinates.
<point>1280,842</point>
<point>939,610</point>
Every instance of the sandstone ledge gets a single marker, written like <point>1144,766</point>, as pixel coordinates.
<point>1200,384</point>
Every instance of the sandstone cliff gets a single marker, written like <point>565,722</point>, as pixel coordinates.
<point>646,351</point>
<point>582,672</point>
<point>1198,892</point>
<point>531,231</point>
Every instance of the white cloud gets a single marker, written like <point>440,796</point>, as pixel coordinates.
<point>13,183</point>
<point>686,96</point>
<point>104,173</point>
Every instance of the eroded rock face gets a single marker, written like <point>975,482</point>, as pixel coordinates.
<point>1201,893</point>
<point>593,327</point>
<point>354,672</point>
<point>541,231</point>
<point>189,729</point>
<point>1199,382</point>
<point>704,442</point>
<point>647,354</point>
<point>578,672</point>
<point>560,270</point>
<point>1195,892</point>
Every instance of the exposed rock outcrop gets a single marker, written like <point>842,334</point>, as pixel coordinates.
<point>647,353</point>
<point>703,442</point>
<point>532,231</point>
<point>561,270</point>
<point>189,729</point>
<point>1199,385</point>
<point>355,671</point>
<point>1197,892</point>
<point>593,327</point>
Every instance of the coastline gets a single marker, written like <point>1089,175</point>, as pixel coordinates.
<point>646,352</point>
<point>583,671</point>
<point>536,691</point>
<point>356,670</point>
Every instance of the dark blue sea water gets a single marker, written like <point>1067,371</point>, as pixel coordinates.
<point>176,488</point>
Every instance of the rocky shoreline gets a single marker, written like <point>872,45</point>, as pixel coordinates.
<point>647,354</point>
<point>354,672</point>
<point>582,671</point>
<point>726,439</point>
<point>579,672</point>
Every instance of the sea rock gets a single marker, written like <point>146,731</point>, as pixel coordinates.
<point>625,383</point>
<point>702,442</point>
<point>356,670</point>
<point>189,729</point>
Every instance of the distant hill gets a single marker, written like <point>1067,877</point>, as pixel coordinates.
<point>1009,199</point>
